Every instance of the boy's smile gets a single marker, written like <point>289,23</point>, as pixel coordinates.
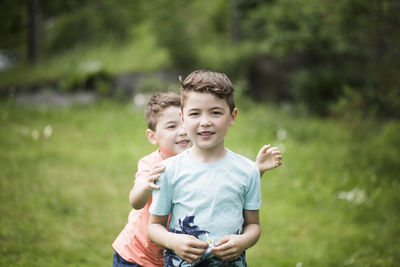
<point>183,142</point>
<point>206,134</point>
<point>206,119</point>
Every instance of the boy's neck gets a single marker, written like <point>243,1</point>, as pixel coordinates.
<point>207,155</point>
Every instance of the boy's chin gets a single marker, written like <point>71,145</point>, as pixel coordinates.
<point>181,149</point>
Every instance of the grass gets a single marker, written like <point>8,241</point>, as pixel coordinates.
<point>64,196</point>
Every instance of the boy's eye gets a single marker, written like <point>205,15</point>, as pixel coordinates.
<point>216,113</point>
<point>193,114</point>
<point>171,127</point>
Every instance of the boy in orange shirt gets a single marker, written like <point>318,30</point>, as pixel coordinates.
<point>133,247</point>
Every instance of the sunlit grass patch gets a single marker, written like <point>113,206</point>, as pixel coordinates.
<point>64,195</point>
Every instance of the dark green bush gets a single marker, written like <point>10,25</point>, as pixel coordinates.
<point>100,23</point>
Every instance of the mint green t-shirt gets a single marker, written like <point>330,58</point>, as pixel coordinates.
<point>206,199</point>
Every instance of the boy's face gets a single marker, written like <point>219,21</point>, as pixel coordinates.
<point>169,134</point>
<point>206,119</point>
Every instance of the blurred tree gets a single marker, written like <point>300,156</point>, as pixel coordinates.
<point>325,54</point>
<point>371,36</point>
<point>235,22</point>
<point>171,25</point>
<point>185,28</point>
<point>321,47</point>
<point>33,8</point>
<point>92,23</point>
<point>294,51</point>
<point>13,25</point>
<point>64,24</point>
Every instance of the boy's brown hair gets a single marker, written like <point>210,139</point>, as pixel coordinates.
<point>157,104</point>
<point>206,81</point>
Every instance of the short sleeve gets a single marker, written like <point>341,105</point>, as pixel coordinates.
<point>252,199</point>
<point>162,198</point>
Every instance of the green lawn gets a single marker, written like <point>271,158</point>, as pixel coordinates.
<point>65,174</point>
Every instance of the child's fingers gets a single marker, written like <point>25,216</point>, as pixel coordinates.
<point>199,244</point>
<point>192,254</point>
<point>157,169</point>
<point>272,149</point>
<point>189,247</point>
<point>190,257</point>
<point>156,176</point>
<point>196,251</point>
<point>222,244</point>
<point>229,257</point>
<point>160,166</point>
<point>221,241</point>
<point>221,247</point>
<point>278,157</point>
<point>154,186</point>
<point>226,252</point>
<point>152,181</point>
<point>153,178</point>
<point>265,148</point>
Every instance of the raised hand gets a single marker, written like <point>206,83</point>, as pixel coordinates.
<point>144,186</point>
<point>268,158</point>
<point>152,177</point>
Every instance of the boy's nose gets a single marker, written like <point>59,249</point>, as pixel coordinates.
<point>205,122</point>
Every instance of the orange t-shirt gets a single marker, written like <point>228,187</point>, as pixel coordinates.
<point>133,244</point>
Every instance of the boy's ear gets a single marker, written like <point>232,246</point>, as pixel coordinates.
<point>151,137</point>
<point>233,117</point>
<point>181,116</point>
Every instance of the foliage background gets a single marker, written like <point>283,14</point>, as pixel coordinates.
<point>318,79</point>
<point>329,56</point>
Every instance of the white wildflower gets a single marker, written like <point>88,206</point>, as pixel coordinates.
<point>209,241</point>
<point>48,131</point>
<point>139,100</point>
<point>281,134</point>
<point>349,261</point>
<point>356,196</point>
<point>299,264</point>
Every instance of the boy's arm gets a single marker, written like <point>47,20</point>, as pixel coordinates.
<point>188,247</point>
<point>268,158</point>
<point>230,247</point>
<point>144,185</point>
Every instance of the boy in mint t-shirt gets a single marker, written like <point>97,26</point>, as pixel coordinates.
<point>132,246</point>
<point>212,193</point>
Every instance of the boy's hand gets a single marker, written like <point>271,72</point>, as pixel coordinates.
<point>268,158</point>
<point>144,186</point>
<point>229,247</point>
<point>153,175</point>
<point>188,247</point>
